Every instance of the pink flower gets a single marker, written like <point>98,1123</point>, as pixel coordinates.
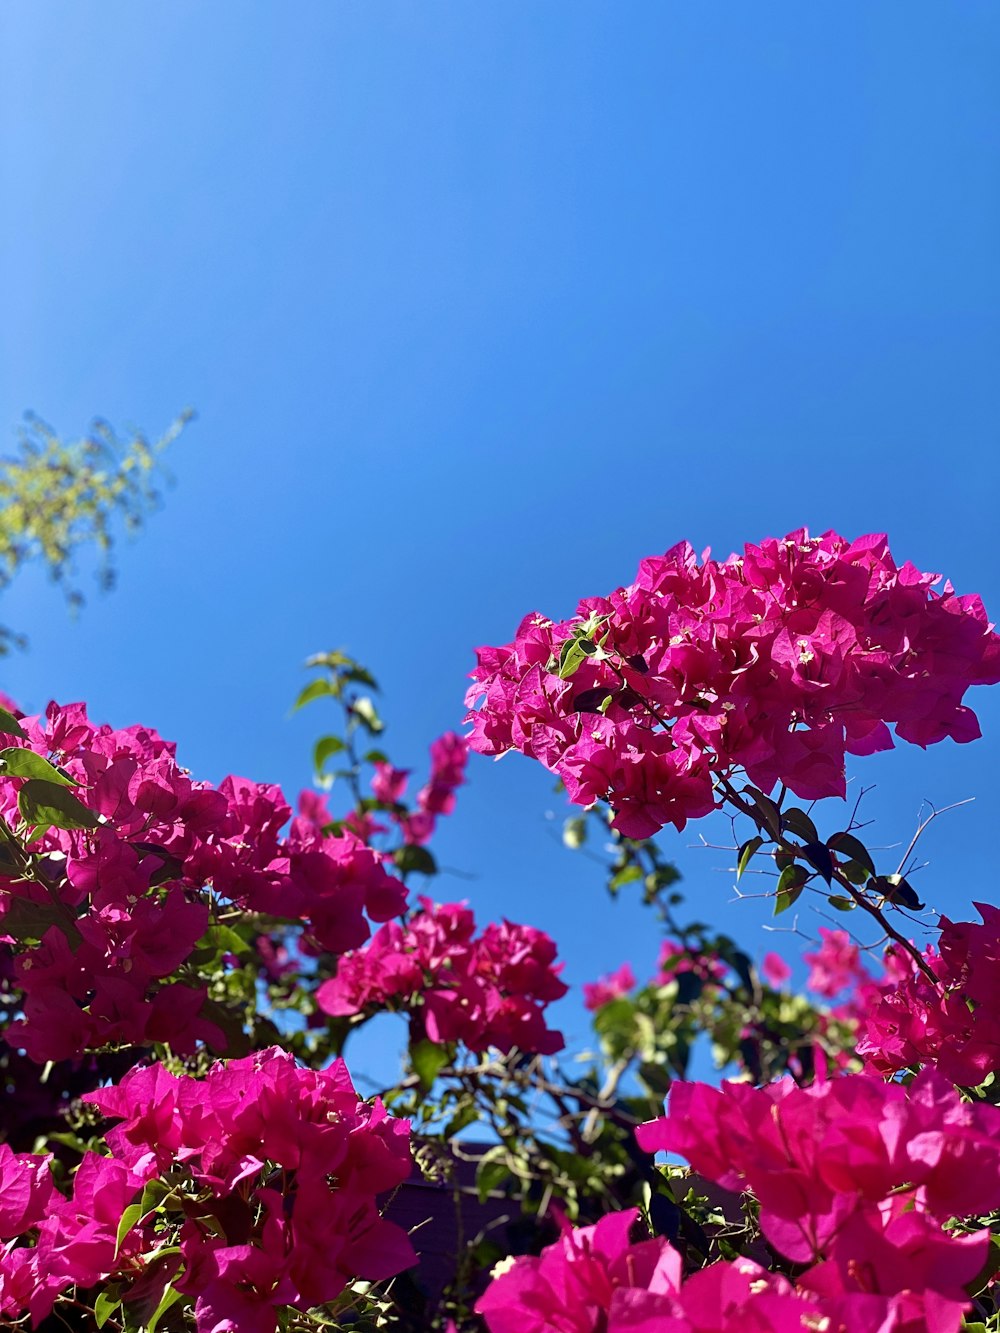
<point>845,1159</point>
<point>489,990</point>
<point>596,993</point>
<point>389,783</point>
<point>775,970</point>
<point>125,901</point>
<point>907,1020</point>
<point>598,1279</point>
<point>248,1248</point>
<point>78,1239</point>
<point>675,959</point>
<point>569,1288</point>
<point>835,965</point>
<point>25,1191</point>
<point>449,754</point>
<point>779,662</point>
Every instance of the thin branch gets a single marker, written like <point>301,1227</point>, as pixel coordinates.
<point>735,799</point>
<point>934,814</point>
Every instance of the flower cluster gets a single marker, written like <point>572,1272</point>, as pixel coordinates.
<point>777,662</point>
<point>598,1279</point>
<point>854,1178</point>
<point>907,1021</point>
<point>449,755</point>
<point>674,960</point>
<point>611,987</point>
<point>775,970</point>
<point>835,965</point>
<point>76,1238</point>
<point>484,990</point>
<point>111,886</point>
<point>273,1170</point>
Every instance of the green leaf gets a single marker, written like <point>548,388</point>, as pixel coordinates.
<point>20,763</point>
<point>846,845</point>
<point>130,1216</point>
<point>462,1119</point>
<point>855,872</point>
<point>746,852</point>
<point>316,689</point>
<point>628,875</point>
<point>656,1078</point>
<point>409,858</point>
<point>428,1059</point>
<point>217,940</point>
<point>364,708</point>
<point>69,1140</point>
<point>332,659</point>
<point>783,858</point>
<point>170,1297</point>
<point>46,805</point>
<point>575,832</point>
<point>359,676</point>
<point>153,1194</point>
<point>325,747</point>
<point>10,866</point>
<point>841,903</point>
<point>27,920</point>
<point>571,654</point>
<point>791,882</point>
<point>615,1024</point>
<point>106,1304</point>
<point>661,878</point>
<point>818,855</point>
<point>9,725</point>
<point>799,823</point>
<point>770,815</point>
<point>741,965</point>
<point>895,889</point>
<point>493,1170</point>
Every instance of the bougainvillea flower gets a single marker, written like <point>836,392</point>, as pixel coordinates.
<point>778,661</point>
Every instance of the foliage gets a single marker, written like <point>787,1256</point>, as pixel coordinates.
<point>185,967</point>
<point>59,496</point>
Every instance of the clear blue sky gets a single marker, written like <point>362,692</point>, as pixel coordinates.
<point>479,303</point>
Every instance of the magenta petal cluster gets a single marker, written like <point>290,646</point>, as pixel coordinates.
<point>449,756</point>
<point>674,959</point>
<point>605,989</point>
<point>485,990</point>
<point>854,1178</point>
<point>777,662</point>
<point>121,903</point>
<point>280,1167</point>
<point>607,1279</point>
<point>835,965</point>
<point>955,1025</point>
<point>775,970</point>
<point>75,1237</point>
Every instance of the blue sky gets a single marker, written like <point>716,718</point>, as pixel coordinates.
<point>478,304</point>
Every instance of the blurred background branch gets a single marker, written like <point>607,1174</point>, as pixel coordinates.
<point>59,496</point>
